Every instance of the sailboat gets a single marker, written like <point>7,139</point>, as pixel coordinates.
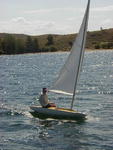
<point>66,82</point>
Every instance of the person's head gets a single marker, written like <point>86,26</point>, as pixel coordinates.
<point>44,90</point>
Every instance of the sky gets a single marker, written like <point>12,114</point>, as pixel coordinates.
<point>37,17</point>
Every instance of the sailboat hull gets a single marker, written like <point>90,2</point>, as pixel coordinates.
<point>57,113</point>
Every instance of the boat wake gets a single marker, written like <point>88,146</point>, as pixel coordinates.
<point>92,119</point>
<point>13,110</point>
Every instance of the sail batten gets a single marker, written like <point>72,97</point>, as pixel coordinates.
<point>68,76</point>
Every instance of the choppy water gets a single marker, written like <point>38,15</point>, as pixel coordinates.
<point>21,79</point>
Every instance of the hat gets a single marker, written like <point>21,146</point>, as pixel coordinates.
<point>44,90</point>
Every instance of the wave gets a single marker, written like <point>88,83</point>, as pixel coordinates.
<point>11,110</point>
<point>92,119</point>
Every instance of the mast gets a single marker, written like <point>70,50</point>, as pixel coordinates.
<point>81,51</point>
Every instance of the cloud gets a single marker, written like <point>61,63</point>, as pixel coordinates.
<point>103,9</point>
<point>15,25</point>
<point>100,16</point>
<point>21,25</point>
<point>39,11</point>
<point>51,10</point>
<point>20,20</point>
<point>107,22</point>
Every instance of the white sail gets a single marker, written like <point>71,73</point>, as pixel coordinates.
<point>67,79</point>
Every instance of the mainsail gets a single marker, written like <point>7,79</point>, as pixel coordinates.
<point>67,80</point>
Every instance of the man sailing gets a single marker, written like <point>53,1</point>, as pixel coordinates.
<point>44,99</point>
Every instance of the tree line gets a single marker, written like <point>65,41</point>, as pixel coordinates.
<point>12,45</point>
<point>104,45</point>
<point>19,44</point>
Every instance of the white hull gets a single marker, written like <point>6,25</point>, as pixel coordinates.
<point>57,113</point>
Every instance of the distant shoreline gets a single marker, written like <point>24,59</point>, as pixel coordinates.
<point>23,44</point>
<point>98,49</point>
<point>86,50</point>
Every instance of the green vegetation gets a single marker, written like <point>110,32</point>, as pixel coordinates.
<point>50,40</point>
<point>20,43</point>
<point>11,44</point>
<point>104,45</point>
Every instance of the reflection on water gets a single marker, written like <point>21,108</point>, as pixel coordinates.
<point>21,80</point>
<point>68,134</point>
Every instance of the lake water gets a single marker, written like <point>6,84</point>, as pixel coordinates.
<point>21,80</point>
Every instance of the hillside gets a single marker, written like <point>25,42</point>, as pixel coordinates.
<point>20,43</point>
